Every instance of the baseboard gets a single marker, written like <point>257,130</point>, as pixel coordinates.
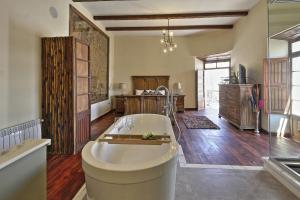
<point>190,109</point>
<point>102,116</point>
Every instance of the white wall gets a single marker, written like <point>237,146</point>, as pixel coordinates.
<point>250,45</point>
<point>210,43</point>
<point>143,56</point>
<point>278,48</point>
<point>250,41</point>
<point>22,24</point>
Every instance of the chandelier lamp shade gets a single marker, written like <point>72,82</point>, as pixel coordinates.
<point>167,40</point>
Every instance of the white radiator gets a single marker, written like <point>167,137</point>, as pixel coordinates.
<point>15,135</point>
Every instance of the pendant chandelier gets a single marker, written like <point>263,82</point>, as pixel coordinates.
<point>167,40</point>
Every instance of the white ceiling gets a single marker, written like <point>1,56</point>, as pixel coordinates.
<point>167,7</point>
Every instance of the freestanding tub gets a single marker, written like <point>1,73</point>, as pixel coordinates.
<point>132,172</point>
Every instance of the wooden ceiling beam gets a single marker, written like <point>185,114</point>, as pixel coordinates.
<point>155,28</point>
<point>172,16</point>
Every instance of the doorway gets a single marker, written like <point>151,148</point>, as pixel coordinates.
<point>213,72</point>
<point>212,79</point>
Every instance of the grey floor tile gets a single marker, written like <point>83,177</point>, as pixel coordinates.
<point>216,184</point>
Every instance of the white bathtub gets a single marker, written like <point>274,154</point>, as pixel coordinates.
<point>132,172</point>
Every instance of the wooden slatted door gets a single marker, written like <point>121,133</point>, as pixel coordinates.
<point>277,85</point>
<point>82,96</point>
<point>57,90</point>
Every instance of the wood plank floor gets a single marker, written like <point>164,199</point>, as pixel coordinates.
<point>64,172</point>
<point>227,146</point>
<point>64,176</point>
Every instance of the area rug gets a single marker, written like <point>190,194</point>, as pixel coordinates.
<point>199,122</point>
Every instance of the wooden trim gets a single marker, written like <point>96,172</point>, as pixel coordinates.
<point>172,16</point>
<point>156,28</point>
<point>190,109</point>
<point>74,93</point>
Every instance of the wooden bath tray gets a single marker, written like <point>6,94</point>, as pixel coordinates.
<point>135,139</point>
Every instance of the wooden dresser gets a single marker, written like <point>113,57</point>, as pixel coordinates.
<point>235,106</point>
<point>65,94</point>
<point>134,104</point>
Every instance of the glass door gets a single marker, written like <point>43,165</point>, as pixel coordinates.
<point>282,84</point>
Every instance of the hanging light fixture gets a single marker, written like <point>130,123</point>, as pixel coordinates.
<point>167,40</point>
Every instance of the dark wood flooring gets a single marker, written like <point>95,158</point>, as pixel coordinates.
<point>64,176</point>
<point>227,146</point>
<point>64,172</point>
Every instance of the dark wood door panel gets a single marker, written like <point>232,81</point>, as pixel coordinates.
<point>82,68</point>
<point>83,129</point>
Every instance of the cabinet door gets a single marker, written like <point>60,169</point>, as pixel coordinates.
<point>150,104</point>
<point>82,77</point>
<point>133,105</point>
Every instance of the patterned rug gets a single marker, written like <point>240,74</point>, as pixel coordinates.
<point>199,122</point>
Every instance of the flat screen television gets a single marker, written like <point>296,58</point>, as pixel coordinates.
<point>242,74</point>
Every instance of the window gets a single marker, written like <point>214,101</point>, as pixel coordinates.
<point>210,65</point>
<point>223,64</point>
<point>296,46</point>
<point>295,59</point>
<point>216,64</point>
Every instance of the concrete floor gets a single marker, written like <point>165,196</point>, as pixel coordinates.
<point>225,184</point>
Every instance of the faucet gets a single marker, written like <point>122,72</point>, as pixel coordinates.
<point>169,103</point>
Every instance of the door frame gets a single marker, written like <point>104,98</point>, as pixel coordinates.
<point>197,93</point>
